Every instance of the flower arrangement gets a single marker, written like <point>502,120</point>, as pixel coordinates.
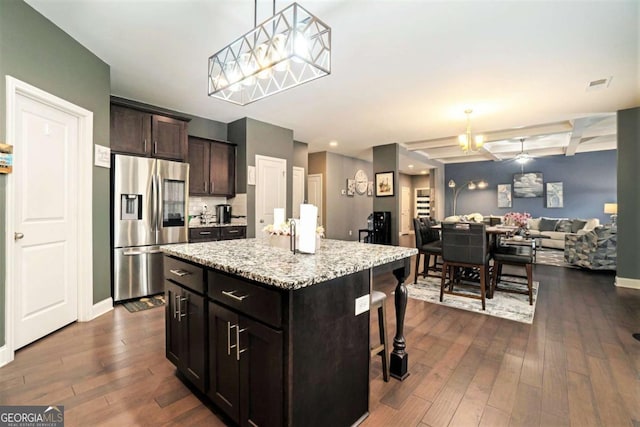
<point>284,229</point>
<point>516,218</point>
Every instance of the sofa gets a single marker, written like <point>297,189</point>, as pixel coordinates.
<point>556,229</point>
<point>595,249</point>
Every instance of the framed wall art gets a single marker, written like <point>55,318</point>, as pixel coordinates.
<point>384,184</point>
<point>555,196</point>
<point>504,195</point>
<point>351,187</point>
<point>527,185</point>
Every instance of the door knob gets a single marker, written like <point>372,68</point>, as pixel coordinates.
<point>17,236</point>
<point>262,221</point>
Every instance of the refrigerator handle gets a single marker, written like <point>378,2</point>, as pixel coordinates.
<point>154,203</point>
<point>158,203</point>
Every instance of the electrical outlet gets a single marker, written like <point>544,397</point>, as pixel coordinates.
<point>350,233</point>
<point>362,304</point>
<point>343,192</point>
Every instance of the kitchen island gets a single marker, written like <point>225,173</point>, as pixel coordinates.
<point>276,338</point>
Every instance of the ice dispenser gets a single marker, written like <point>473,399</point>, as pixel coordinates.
<point>131,206</point>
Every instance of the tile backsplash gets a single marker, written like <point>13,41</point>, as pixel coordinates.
<point>196,204</point>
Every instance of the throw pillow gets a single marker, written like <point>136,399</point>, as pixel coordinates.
<point>577,224</point>
<point>563,226</point>
<point>592,223</point>
<point>547,224</point>
<point>533,223</point>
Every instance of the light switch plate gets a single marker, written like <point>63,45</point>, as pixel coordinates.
<point>362,304</point>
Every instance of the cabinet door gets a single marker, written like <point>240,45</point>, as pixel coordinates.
<point>169,138</point>
<point>194,338</point>
<point>130,131</point>
<point>223,364</point>
<point>223,169</point>
<point>261,374</point>
<point>172,328</point>
<point>198,166</point>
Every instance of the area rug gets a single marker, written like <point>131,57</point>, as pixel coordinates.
<point>552,257</point>
<point>503,304</point>
<point>144,303</point>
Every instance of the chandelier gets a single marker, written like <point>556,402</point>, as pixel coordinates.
<point>290,48</point>
<point>469,142</point>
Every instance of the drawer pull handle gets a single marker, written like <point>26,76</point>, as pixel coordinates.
<point>231,294</point>
<point>180,301</point>
<point>238,351</point>
<point>176,307</point>
<point>205,233</point>
<point>233,231</point>
<point>229,346</point>
<point>180,273</point>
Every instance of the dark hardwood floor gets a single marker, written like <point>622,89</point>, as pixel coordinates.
<point>577,364</point>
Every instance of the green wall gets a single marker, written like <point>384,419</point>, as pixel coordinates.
<point>386,158</point>
<point>258,138</point>
<point>628,194</point>
<point>37,52</point>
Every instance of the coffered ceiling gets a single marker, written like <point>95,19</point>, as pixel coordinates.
<point>403,71</point>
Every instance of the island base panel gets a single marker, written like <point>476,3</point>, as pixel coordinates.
<point>329,359</point>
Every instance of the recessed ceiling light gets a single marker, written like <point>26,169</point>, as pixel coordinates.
<point>424,172</point>
<point>410,166</point>
<point>333,143</point>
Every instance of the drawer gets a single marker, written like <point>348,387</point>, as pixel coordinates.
<point>247,298</point>
<point>207,234</point>
<point>183,273</point>
<point>233,232</point>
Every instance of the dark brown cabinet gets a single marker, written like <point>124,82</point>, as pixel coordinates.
<point>186,322</point>
<point>245,368</point>
<point>146,134</point>
<point>213,167</point>
<point>212,234</point>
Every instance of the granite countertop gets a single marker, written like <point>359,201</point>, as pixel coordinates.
<point>215,224</point>
<point>255,259</point>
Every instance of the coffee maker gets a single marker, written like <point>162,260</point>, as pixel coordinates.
<point>223,214</point>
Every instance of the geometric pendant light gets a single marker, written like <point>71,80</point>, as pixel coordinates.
<point>290,48</point>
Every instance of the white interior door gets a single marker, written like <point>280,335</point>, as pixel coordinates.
<point>298,191</point>
<point>314,188</point>
<point>271,189</point>
<point>45,216</point>
<point>405,210</point>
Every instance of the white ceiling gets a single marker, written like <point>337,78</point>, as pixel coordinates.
<point>403,71</point>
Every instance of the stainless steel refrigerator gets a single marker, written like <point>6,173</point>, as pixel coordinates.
<point>150,204</point>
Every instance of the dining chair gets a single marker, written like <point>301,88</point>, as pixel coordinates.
<point>464,245</point>
<point>428,244</point>
<point>517,256</point>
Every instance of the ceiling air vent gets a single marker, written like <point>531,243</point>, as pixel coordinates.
<point>599,84</point>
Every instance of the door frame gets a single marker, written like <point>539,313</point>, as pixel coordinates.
<point>301,170</point>
<point>321,220</point>
<point>83,175</point>
<point>258,157</point>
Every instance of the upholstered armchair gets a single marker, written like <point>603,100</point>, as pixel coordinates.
<point>595,249</point>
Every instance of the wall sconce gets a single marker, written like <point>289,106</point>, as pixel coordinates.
<point>472,185</point>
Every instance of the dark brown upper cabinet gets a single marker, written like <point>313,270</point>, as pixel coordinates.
<point>213,167</point>
<point>147,134</point>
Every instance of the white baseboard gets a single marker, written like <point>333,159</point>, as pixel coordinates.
<point>104,306</point>
<point>5,355</point>
<point>623,282</point>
